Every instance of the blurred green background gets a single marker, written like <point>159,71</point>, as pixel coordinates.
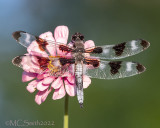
<point>132,102</point>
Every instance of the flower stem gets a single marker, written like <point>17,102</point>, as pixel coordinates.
<point>65,123</point>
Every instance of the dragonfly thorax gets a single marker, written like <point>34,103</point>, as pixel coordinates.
<point>78,57</point>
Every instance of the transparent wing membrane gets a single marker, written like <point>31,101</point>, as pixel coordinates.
<point>115,70</point>
<point>40,65</point>
<point>121,50</point>
<point>25,39</point>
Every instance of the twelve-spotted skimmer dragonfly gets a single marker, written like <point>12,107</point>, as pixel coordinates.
<point>94,66</point>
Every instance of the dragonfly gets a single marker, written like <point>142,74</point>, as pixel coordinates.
<point>99,62</point>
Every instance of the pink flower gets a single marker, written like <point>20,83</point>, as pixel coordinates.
<point>44,82</point>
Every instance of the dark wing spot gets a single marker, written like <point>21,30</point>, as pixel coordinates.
<point>94,50</point>
<point>64,61</point>
<point>145,44</point>
<point>42,43</point>
<point>97,50</point>
<point>17,34</point>
<point>119,48</point>
<point>65,48</point>
<point>140,68</point>
<point>43,62</point>
<point>17,60</point>
<point>115,66</point>
<point>93,62</point>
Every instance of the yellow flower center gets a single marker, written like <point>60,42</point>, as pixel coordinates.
<point>54,65</point>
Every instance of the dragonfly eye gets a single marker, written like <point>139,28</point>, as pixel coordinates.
<point>74,38</point>
<point>81,37</point>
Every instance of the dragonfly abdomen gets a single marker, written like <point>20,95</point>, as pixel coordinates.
<point>79,82</point>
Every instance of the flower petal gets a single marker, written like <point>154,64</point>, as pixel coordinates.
<point>34,60</point>
<point>86,81</point>
<point>49,36</point>
<point>42,76</point>
<point>41,96</point>
<point>32,86</point>
<point>37,52</point>
<point>61,34</point>
<point>29,65</point>
<point>41,86</point>
<point>70,88</point>
<point>34,49</point>
<point>70,78</point>
<point>27,76</point>
<point>51,49</point>
<point>59,93</point>
<point>48,80</point>
<point>89,44</point>
<point>57,83</point>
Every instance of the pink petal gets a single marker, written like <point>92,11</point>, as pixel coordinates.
<point>70,44</point>
<point>29,65</point>
<point>34,60</point>
<point>41,96</point>
<point>42,76</point>
<point>51,49</point>
<point>61,34</point>
<point>47,36</point>
<point>70,88</point>
<point>59,93</point>
<point>71,70</point>
<point>32,86</point>
<point>27,76</point>
<point>66,74</point>
<point>89,44</point>
<point>26,68</point>
<point>86,81</point>
<point>41,86</point>
<point>48,80</point>
<point>71,78</point>
<point>34,49</point>
<point>57,83</point>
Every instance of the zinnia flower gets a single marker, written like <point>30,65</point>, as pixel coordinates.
<point>44,82</point>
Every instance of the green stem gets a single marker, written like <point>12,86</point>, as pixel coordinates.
<point>65,123</point>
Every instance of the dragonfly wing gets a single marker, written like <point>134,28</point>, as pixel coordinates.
<point>24,38</point>
<point>119,51</point>
<point>115,70</point>
<point>31,63</point>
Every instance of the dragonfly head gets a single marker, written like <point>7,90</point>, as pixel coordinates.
<point>77,37</point>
